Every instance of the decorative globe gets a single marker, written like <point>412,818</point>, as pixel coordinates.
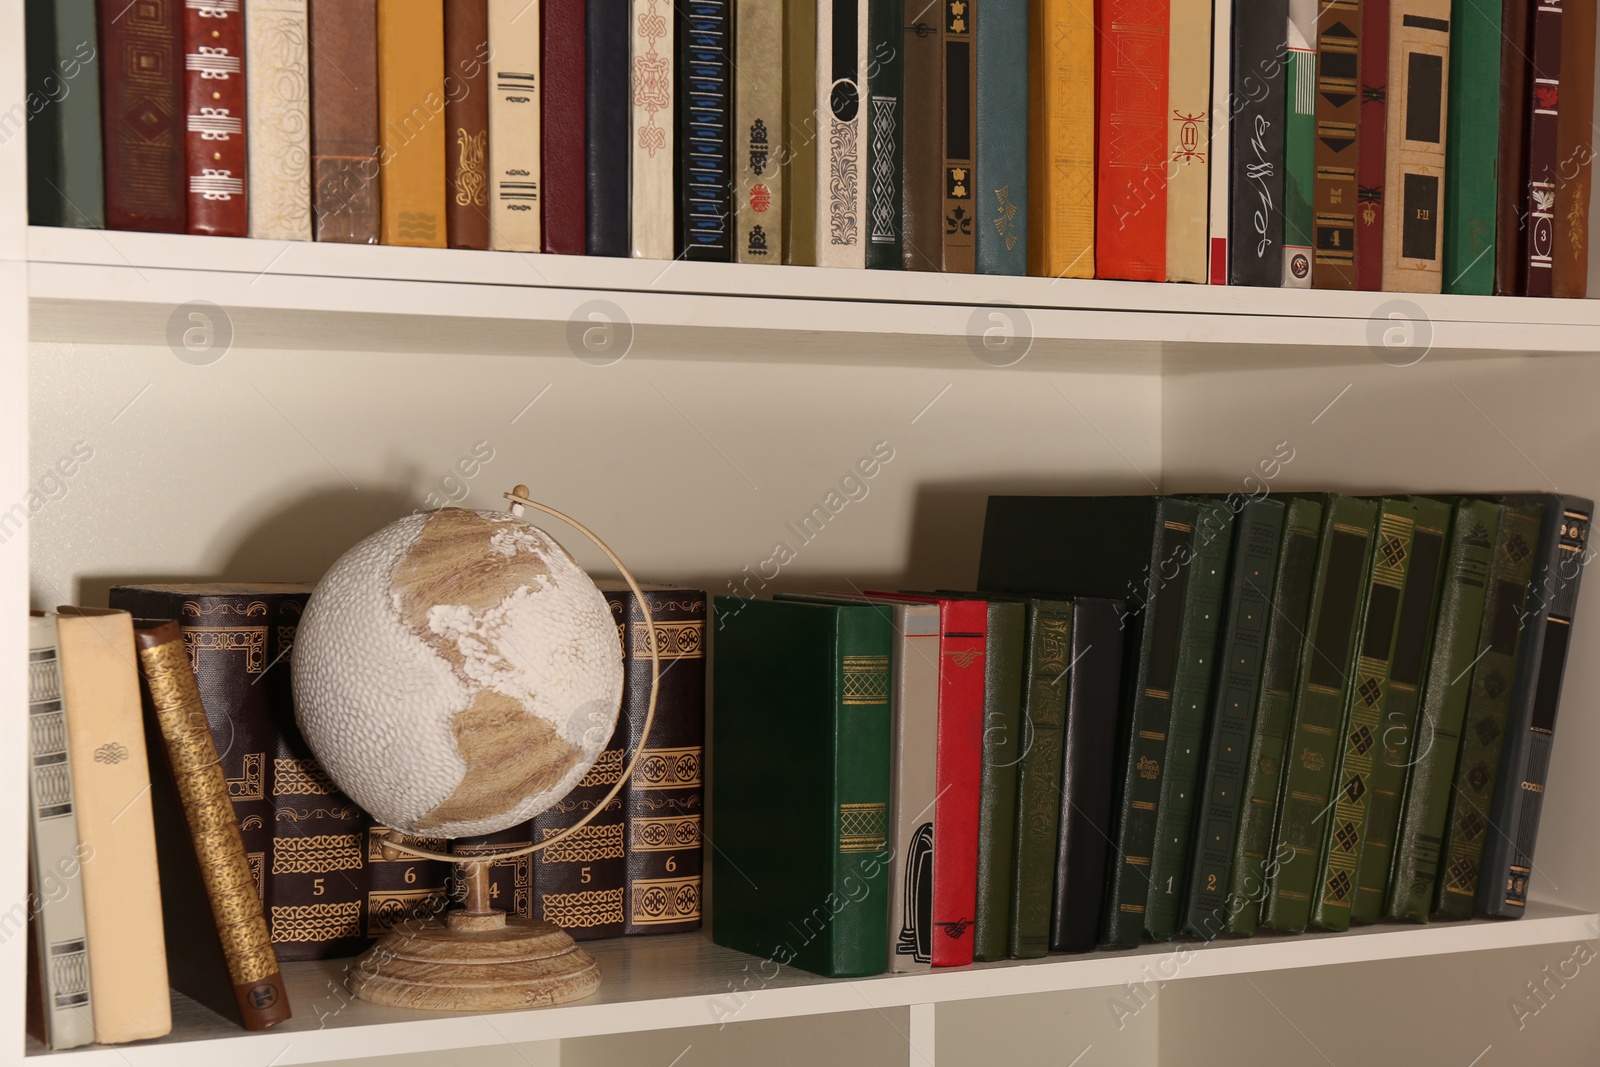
<point>457,673</point>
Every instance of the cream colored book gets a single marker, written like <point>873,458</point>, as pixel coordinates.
<point>841,136</point>
<point>759,141</point>
<point>652,147</point>
<point>1188,139</point>
<point>514,87</point>
<point>116,833</point>
<point>277,73</point>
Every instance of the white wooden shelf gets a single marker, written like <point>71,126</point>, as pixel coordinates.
<point>685,980</point>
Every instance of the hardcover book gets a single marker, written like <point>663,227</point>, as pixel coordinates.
<point>466,116</point>
<point>1574,151</point>
<point>1039,787</point>
<point>1061,82</point>
<point>1217,164</point>
<point>608,117</point>
<point>1419,61</point>
<point>959,98</point>
<point>344,120</point>
<point>841,194</point>
<point>1189,136</point>
<point>801,127</point>
<point>141,108</point>
<point>515,102</point>
<point>1336,153</point>
<point>922,147</point>
<point>885,134</point>
<point>65,178</point>
<point>1000,168</point>
<point>214,115</point>
<point>1300,134</point>
<point>1511,158</point>
<point>1256,140</point>
<point>564,96</point>
<point>412,163</point>
<point>653,144</point>
<point>1131,140</point>
<point>1542,193</point>
<point>760,129</point>
<point>1372,143</point>
<point>705,108</point>
<point>278,117</point>
<point>1473,164</point>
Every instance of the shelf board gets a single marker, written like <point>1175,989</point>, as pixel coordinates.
<point>69,269</point>
<point>684,980</point>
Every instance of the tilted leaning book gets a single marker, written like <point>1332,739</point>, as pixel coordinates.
<point>705,112</point>
<point>344,120</point>
<point>1000,169</point>
<point>65,176</point>
<point>1061,51</point>
<point>1414,163</point>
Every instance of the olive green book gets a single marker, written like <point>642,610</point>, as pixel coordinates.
<point>1038,792</point>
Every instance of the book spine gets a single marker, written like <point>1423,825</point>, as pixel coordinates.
<point>1437,739</point>
<point>564,96</point>
<point>1372,146</point>
<point>1188,137</point>
<point>914,788</point>
<point>922,148</point>
<point>1061,84</point>
<point>1574,151</point>
<point>1414,166</point>
<point>1338,144</point>
<point>1255,138</point>
<point>1131,148</point>
<point>1038,795</point>
<point>344,120</point>
<point>840,192</point>
<point>1366,711</point>
<point>1326,667</point>
<point>515,99</point>
<point>959,111</point>
<point>1397,732</point>
<point>1511,160</point>
<point>1488,707</point>
<point>609,126</point>
<point>1253,870</point>
<point>510,880</point>
<point>1471,148</point>
<point>1145,740</point>
<point>1186,729</point>
<point>214,117</point>
<point>1000,167</point>
<point>1240,656</point>
<point>1300,134</point>
<point>885,133</point>
<point>1221,118</point>
<point>466,117</point>
<point>704,107</point>
<point>402,888</point>
<point>66,181</point>
<point>801,127</point>
<point>1003,739</point>
<point>144,164</point>
<point>759,125</point>
<point>61,955</point>
<point>203,793</point>
<point>278,118</point>
<point>652,138</point>
<point>1531,725</point>
<point>963,627</point>
<point>1542,197</point>
<point>412,159</point>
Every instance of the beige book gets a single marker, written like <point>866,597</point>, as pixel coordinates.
<point>1413,180</point>
<point>800,135</point>
<point>277,74</point>
<point>116,834</point>
<point>652,148</point>
<point>914,736</point>
<point>759,144</point>
<point>841,192</point>
<point>514,87</point>
<point>1188,139</point>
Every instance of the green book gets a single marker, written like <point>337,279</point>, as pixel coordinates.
<point>1240,654</point>
<point>1038,789</point>
<point>1299,142</point>
<point>1186,724</point>
<point>1472,147</point>
<point>800,784</point>
<point>65,185</point>
<point>1366,708</point>
<point>1488,704</point>
<point>1394,753</point>
<point>885,88</point>
<point>1326,666</point>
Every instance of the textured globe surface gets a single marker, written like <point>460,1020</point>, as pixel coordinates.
<point>457,673</point>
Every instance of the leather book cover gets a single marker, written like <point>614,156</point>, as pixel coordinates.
<point>1188,717</point>
<point>344,120</point>
<point>1188,134</point>
<point>841,195</point>
<point>1502,647</point>
<point>759,127</point>
<point>565,157</point>
<point>1360,735</point>
<point>1253,871</point>
<point>812,682</point>
<point>1511,160</point>
<point>652,139</point>
<point>510,880</point>
<point>141,107</point>
<point>1061,84</point>
<point>705,112</point>
<point>885,133</point>
<point>1255,147</point>
<point>1088,756</point>
<point>404,887</point>
<point>1046,684</point>
<point>1336,153</point>
<point>1543,194</point>
<point>1240,654</point>
<point>515,99</point>
<point>219,952</point>
<point>1437,739</point>
<point>65,165</point>
<point>1327,666</point>
<point>1372,144</point>
<point>1217,196</point>
<point>1574,151</point>
<point>1131,140</point>
<point>1399,741</point>
<point>608,114</point>
<point>801,126</point>
<point>1419,67</point>
<point>1472,146</point>
<point>959,97</point>
<point>278,119</point>
<point>1299,141</point>
<point>1531,725</point>
<point>410,73</point>
<point>922,147</point>
<point>466,119</point>
<point>214,117</point>
<point>1001,166</point>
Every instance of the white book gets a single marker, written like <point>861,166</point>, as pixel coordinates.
<point>514,85</point>
<point>277,73</point>
<point>841,135</point>
<point>1217,148</point>
<point>759,132</point>
<point>652,142</point>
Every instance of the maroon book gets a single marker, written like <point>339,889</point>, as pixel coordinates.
<point>141,87</point>
<point>466,115</point>
<point>1512,168</point>
<point>1370,153</point>
<point>1542,196</point>
<point>214,137</point>
<point>565,162</point>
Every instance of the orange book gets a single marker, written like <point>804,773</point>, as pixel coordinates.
<point>411,124</point>
<point>1061,139</point>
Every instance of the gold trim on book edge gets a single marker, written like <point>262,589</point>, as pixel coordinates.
<point>582,910</point>
<point>657,901</point>
<point>668,768</point>
<point>664,833</point>
<point>863,827</point>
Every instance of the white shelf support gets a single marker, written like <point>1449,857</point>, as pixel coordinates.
<point>922,1044</point>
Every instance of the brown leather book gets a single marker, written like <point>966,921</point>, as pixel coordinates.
<point>411,97</point>
<point>566,148</point>
<point>141,87</point>
<point>214,131</point>
<point>923,156</point>
<point>1510,232</point>
<point>1544,195</point>
<point>466,116</point>
<point>960,98</point>
<point>1574,149</point>
<point>1338,111</point>
<point>344,120</point>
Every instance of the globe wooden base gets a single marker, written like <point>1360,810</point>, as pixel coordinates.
<point>475,962</point>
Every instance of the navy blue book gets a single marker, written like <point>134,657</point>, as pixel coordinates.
<point>608,82</point>
<point>1000,193</point>
<point>705,112</point>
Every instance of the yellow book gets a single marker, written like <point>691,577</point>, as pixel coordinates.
<point>411,123</point>
<point>1061,89</point>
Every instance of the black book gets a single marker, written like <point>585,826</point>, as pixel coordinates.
<point>705,116</point>
<point>1255,158</point>
<point>609,84</point>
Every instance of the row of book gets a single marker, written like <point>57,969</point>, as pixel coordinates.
<point>121,831</point>
<point>1294,145</point>
<point>1165,716</point>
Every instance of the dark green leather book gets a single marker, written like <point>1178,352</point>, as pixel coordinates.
<point>1186,726</point>
<point>886,120</point>
<point>1258,534</point>
<point>1395,751</point>
<point>1488,704</point>
<point>1038,791</point>
<point>1001,169</point>
<point>1327,664</point>
<point>65,186</point>
<point>1436,742</point>
<point>1280,669</point>
<point>1365,709</point>
<point>1472,162</point>
<point>800,784</point>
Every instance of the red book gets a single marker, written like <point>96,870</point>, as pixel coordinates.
<point>141,98</point>
<point>963,638</point>
<point>566,146</point>
<point>214,100</point>
<point>1130,222</point>
<point>1370,153</point>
